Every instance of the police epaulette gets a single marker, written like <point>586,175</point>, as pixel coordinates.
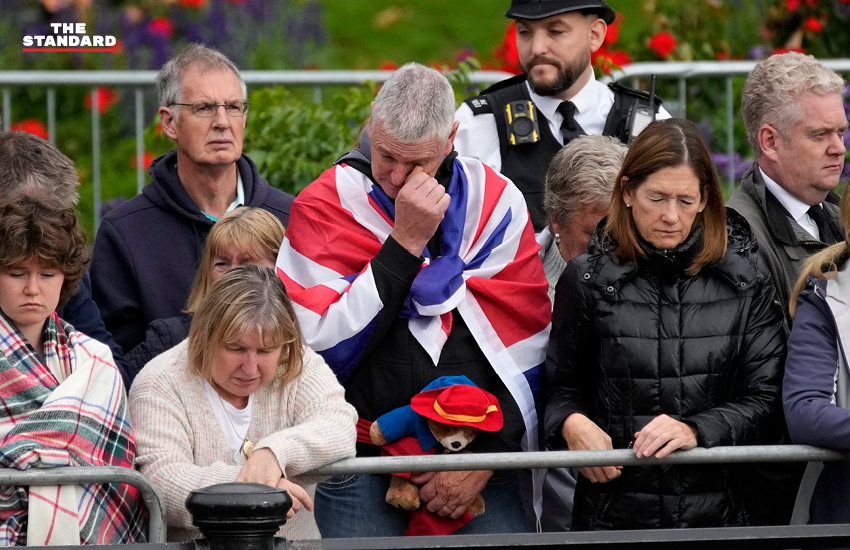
<point>479,105</point>
<point>640,94</point>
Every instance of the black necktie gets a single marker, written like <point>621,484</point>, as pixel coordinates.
<point>827,233</point>
<point>570,129</point>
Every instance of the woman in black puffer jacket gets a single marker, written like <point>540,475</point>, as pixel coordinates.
<point>666,335</point>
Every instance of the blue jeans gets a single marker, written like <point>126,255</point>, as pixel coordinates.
<point>353,506</point>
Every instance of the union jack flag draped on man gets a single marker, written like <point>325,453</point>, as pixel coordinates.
<point>488,269</point>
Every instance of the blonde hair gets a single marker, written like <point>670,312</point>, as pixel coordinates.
<point>824,264</point>
<point>245,299</point>
<point>254,231</point>
<point>772,92</point>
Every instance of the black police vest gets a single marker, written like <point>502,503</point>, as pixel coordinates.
<point>526,164</point>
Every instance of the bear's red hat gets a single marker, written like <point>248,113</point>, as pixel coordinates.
<point>460,405</point>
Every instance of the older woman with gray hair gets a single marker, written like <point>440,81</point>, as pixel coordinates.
<point>578,190</point>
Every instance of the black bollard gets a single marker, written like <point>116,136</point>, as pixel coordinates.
<point>239,515</point>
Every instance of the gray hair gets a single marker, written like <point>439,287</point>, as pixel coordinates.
<point>32,167</point>
<point>582,175</point>
<point>416,104</point>
<point>773,88</point>
<point>170,77</point>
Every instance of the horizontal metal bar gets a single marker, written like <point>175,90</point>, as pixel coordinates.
<point>141,78</point>
<point>749,538</point>
<point>85,475</point>
<point>576,459</point>
<point>679,69</point>
<point>690,69</point>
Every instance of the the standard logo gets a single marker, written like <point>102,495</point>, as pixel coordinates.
<point>69,37</point>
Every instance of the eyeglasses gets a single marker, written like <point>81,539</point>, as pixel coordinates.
<point>206,109</point>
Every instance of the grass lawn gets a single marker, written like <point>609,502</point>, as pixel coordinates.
<point>364,33</point>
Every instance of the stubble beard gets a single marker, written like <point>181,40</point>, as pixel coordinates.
<point>567,76</point>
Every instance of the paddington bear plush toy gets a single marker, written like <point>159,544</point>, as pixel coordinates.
<point>451,411</point>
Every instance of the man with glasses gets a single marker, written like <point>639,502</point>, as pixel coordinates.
<point>147,250</point>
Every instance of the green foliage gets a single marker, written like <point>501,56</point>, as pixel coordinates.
<point>461,79</point>
<point>363,33</point>
<point>293,140</point>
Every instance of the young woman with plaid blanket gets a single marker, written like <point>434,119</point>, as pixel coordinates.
<point>63,400</point>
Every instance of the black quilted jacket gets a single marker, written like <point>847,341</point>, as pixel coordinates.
<point>632,341</point>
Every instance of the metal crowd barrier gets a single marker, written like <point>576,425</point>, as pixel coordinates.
<point>683,70</point>
<point>86,475</point>
<point>758,538</point>
<point>140,80</point>
<point>576,459</point>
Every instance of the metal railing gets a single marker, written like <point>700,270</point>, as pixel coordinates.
<point>682,71</point>
<point>798,536</point>
<point>139,80</point>
<point>86,475</point>
<point>577,459</point>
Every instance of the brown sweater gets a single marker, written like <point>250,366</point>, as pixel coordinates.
<point>181,447</point>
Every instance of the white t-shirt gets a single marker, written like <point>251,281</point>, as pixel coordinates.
<point>234,422</point>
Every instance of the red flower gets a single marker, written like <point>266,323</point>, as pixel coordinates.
<point>505,54</point>
<point>813,24</point>
<point>106,98</point>
<point>780,51</point>
<point>613,32</point>
<point>608,61</point>
<point>388,65</point>
<point>662,43</point>
<point>30,125</point>
<point>147,159</point>
<point>162,26</point>
<point>722,55</point>
<point>792,5</point>
<point>192,3</point>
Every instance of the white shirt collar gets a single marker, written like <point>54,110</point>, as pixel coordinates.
<point>548,105</point>
<point>240,193</point>
<point>797,208</point>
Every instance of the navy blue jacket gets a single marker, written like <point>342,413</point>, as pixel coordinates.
<point>147,250</point>
<point>807,393</point>
<point>82,313</point>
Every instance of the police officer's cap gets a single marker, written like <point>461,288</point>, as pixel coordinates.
<point>539,9</point>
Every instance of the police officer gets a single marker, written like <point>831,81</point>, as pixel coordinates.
<point>518,125</point>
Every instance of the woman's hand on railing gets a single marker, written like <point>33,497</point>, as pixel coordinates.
<point>666,434</point>
<point>582,434</point>
<point>298,495</point>
<point>262,467</point>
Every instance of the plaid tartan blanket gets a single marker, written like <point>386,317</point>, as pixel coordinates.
<point>68,408</point>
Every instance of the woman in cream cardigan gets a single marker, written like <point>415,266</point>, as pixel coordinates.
<point>240,400</point>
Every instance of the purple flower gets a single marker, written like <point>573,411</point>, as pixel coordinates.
<point>111,204</point>
<point>759,52</point>
<point>303,29</point>
<point>739,165</point>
